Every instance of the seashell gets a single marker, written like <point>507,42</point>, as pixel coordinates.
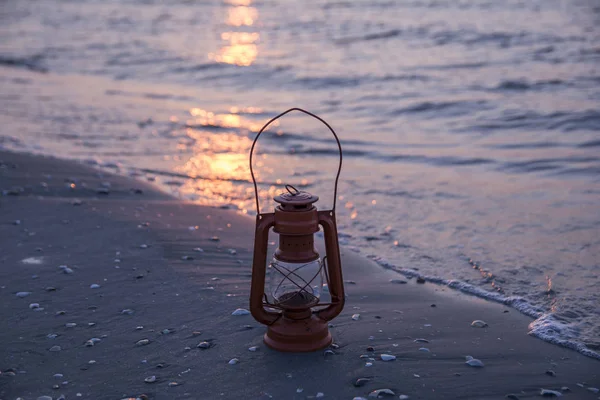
<point>425,350</point>
<point>479,324</point>
<point>232,251</point>
<point>55,348</point>
<point>187,258</point>
<point>233,361</point>
<point>550,393</point>
<point>143,246</point>
<point>173,384</point>
<point>473,362</point>
<point>127,311</point>
<point>355,317</point>
<point>421,340</point>
<point>368,364</point>
<point>203,345</point>
<point>52,336</point>
<point>403,397</point>
<point>198,250</point>
<point>33,306</point>
<point>320,395</point>
<point>593,390</point>
<point>361,382</point>
<point>58,376</point>
<point>550,372</point>
<point>142,342</point>
<point>150,379</point>
<point>214,239</point>
<point>67,271</point>
<point>388,357</point>
<point>70,325</point>
<point>379,392</point>
<point>328,352</point>
<point>94,286</point>
<point>167,331</point>
<point>253,348</point>
<point>240,311</point>
<point>23,294</point>
<point>89,343</point>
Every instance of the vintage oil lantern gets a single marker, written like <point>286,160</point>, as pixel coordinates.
<point>290,306</point>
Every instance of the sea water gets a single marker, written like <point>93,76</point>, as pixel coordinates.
<point>470,128</point>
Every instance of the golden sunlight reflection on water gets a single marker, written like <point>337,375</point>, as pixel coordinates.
<point>219,162</point>
<point>241,48</point>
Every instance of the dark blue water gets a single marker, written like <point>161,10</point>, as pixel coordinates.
<point>471,129</point>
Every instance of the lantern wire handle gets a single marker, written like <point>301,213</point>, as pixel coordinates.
<point>337,177</point>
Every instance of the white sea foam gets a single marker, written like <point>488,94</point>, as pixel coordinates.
<point>545,326</point>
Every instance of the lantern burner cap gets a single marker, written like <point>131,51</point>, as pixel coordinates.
<point>295,199</point>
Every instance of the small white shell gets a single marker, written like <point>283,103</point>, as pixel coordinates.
<point>233,361</point>
<point>473,362</point>
<point>479,324</point>
<point>240,311</point>
<point>550,393</point>
<point>94,286</point>
<point>355,317</point>
<point>388,357</point>
<point>23,294</point>
<point>378,392</point>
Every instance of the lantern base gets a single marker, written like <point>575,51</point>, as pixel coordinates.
<point>293,335</point>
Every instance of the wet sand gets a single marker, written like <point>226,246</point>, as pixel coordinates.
<point>139,245</point>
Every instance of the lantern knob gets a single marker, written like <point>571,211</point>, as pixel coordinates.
<point>295,200</point>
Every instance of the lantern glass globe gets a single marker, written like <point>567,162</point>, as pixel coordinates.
<point>295,285</point>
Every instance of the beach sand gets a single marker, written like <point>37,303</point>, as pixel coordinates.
<point>139,245</point>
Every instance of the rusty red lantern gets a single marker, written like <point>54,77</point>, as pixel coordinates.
<point>290,305</point>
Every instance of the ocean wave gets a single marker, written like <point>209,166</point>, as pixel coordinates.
<point>442,108</point>
<point>546,325</point>
<point>370,36</point>
<point>522,85</point>
<point>530,145</point>
<point>591,143</point>
<point>32,63</point>
<point>546,164</point>
<point>561,120</point>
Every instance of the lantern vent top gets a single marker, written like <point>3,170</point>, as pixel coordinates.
<point>295,200</point>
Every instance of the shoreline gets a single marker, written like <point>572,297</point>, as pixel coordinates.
<point>197,291</point>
